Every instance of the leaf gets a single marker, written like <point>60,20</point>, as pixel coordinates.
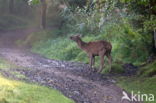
<point>33,2</point>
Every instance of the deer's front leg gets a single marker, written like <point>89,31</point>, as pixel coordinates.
<point>93,61</point>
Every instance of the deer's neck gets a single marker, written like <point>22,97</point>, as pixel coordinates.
<point>81,44</point>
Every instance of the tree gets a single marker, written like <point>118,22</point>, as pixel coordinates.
<point>43,12</point>
<point>11,6</point>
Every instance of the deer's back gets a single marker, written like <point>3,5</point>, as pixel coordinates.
<point>97,46</point>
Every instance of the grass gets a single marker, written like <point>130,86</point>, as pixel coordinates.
<point>18,92</point>
<point>145,85</point>
<point>12,91</point>
<point>143,82</point>
<point>148,70</point>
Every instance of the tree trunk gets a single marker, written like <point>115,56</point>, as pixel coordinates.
<point>11,6</point>
<point>43,14</point>
<point>155,38</point>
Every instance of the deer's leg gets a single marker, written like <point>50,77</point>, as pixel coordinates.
<point>109,61</point>
<point>91,60</point>
<point>101,61</point>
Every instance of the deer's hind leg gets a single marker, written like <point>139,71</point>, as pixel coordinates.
<point>91,60</point>
<point>101,54</point>
<point>109,60</point>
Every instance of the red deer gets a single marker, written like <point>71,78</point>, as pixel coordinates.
<point>96,48</point>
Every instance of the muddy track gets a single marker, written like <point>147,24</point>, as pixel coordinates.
<point>74,80</point>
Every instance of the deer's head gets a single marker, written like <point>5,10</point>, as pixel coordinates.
<point>75,38</point>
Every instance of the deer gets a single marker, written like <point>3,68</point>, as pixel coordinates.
<point>99,48</point>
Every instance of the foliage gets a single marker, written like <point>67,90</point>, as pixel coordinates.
<point>85,20</point>
<point>150,24</point>
<point>33,2</point>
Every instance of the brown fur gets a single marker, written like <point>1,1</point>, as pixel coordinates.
<point>96,48</point>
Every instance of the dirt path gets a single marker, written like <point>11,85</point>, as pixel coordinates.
<point>74,80</point>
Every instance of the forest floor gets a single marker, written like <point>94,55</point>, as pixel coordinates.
<point>74,80</point>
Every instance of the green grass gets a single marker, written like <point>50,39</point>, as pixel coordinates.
<point>148,70</point>
<point>18,92</point>
<point>145,85</point>
<point>143,81</point>
<point>12,91</point>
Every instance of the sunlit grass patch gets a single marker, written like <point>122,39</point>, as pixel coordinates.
<point>17,92</point>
